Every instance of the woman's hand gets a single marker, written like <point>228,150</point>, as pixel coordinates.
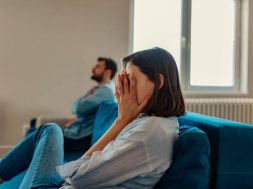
<point>129,109</point>
<point>126,95</point>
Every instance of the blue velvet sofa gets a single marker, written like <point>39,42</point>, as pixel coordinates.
<point>210,153</point>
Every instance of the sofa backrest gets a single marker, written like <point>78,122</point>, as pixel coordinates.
<point>231,150</point>
<point>106,114</point>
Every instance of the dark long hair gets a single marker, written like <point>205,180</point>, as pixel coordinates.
<point>167,101</point>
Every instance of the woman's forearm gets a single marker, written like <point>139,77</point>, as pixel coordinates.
<point>110,135</point>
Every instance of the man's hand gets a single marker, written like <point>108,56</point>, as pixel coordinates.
<point>72,120</point>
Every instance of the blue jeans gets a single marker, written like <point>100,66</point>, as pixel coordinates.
<point>39,153</point>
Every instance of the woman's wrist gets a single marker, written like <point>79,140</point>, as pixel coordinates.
<point>123,121</point>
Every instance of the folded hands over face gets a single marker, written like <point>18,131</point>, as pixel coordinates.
<point>126,95</point>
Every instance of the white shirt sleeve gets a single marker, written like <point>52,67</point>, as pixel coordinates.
<point>118,162</point>
<point>140,150</point>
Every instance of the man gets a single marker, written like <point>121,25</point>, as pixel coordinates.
<point>78,130</point>
<point>85,107</point>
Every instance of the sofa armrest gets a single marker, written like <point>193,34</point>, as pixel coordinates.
<point>40,120</point>
<point>61,121</point>
<point>231,150</point>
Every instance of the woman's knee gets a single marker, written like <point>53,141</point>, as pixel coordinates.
<point>52,129</point>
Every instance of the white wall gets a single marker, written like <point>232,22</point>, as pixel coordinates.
<point>47,49</point>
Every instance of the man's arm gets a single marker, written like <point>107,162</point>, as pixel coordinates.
<point>88,105</point>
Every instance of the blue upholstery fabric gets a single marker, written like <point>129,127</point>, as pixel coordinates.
<point>190,167</point>
<point>106,114</point>
<point>231,150</point>
<point>14,182</point>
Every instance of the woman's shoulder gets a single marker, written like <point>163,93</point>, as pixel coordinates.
<point>155,123</point>
<point>144,127</point>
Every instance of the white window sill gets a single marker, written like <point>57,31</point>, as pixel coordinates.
<point>214,93</point>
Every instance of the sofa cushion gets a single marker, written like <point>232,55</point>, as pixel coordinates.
<point>106,114</point>
<point>190,167</point>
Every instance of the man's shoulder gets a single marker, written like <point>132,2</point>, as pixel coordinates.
<point>107,86</point>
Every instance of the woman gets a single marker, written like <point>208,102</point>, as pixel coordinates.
<point>134,153</point>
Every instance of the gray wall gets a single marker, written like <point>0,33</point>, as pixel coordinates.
<point>47,49</point>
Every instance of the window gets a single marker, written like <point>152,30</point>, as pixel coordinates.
<point>159,26</point>
<point>202,35</point>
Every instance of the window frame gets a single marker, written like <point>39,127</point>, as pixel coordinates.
<point>185,51</point>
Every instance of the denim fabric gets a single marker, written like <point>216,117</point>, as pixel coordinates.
<point>70,145</point>
<point>39,153</point>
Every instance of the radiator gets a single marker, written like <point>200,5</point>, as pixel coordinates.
<point>236,109</point>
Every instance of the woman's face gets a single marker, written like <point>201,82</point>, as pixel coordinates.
<point>144,86</point>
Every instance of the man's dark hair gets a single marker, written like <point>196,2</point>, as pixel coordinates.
<point>167,101</point>
<point>109,64</point>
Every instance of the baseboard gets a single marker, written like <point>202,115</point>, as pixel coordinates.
<point>4,149</point>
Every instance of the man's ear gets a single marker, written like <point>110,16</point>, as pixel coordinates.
<point>108,73</point>
<point>161,78</point>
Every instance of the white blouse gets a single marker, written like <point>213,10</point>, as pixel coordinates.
<point>137,158</point>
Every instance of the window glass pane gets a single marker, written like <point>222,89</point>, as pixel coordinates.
<point>157,24</point>
<point>212,43</point>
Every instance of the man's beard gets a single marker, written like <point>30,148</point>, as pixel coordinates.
<point>97,78</point>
